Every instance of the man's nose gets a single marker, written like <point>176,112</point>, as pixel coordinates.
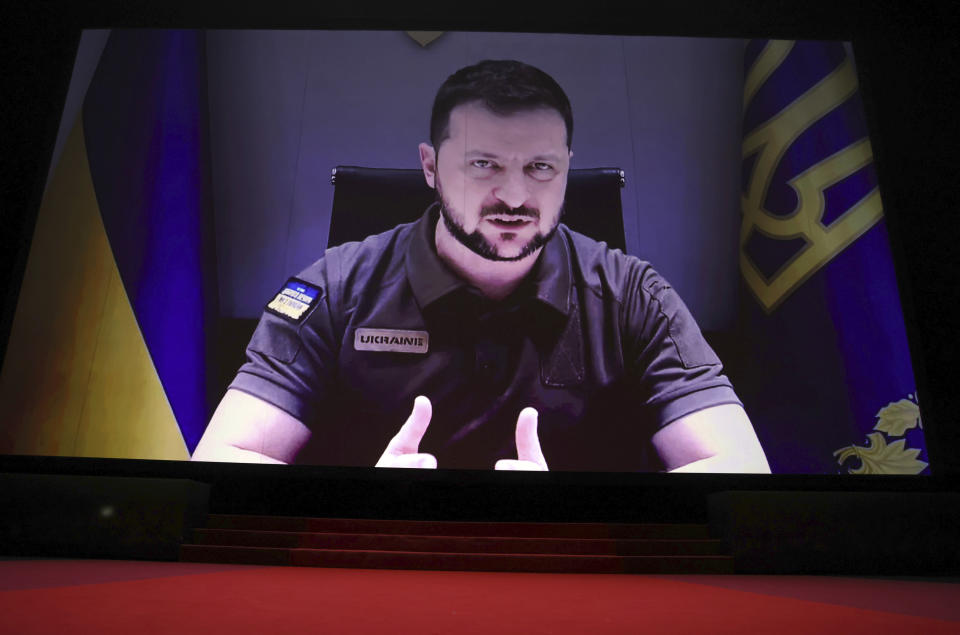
<point>513,189</point>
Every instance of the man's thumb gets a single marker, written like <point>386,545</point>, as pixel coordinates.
<point>528,443</point>
<point>407,440</point>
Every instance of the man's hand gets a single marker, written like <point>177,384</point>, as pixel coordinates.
<point>529,455</point>
<point>404,448</point>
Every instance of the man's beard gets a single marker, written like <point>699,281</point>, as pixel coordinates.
<point>478,243</point>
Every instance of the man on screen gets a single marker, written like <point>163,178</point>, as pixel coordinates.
<point>486,334</point>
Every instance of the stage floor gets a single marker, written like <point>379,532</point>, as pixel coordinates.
<point>115,596</point>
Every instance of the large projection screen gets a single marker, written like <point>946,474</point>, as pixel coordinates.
<point>191,180</point>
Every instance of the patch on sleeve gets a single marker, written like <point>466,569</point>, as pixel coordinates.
<point>294,300</point>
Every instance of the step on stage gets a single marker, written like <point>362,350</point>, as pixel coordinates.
<point>464,546</point>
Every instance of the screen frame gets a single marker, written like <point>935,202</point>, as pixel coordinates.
<point>45,77</point>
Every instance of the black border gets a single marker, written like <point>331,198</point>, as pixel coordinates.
<point>906,59</point>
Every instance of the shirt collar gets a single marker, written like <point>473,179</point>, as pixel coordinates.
<point>431,279</point>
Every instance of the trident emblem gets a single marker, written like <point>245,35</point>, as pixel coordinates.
<point>769,142</point>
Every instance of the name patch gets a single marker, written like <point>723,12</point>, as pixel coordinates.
<point>294,300</point>
<point>391,341</point>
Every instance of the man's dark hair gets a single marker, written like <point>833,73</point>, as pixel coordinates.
<point>503,86</point>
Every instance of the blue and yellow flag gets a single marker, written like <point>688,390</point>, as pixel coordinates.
<point>108,349</point>
<point>832,387</point>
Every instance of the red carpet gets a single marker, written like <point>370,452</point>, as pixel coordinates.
<point>49,596</point>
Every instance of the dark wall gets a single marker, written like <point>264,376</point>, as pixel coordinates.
<point>831,533</point>
<point>98,517</point>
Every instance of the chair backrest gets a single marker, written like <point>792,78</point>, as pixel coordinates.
<point>368,201</point>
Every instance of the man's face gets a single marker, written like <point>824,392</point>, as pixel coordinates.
<point>500,179</point>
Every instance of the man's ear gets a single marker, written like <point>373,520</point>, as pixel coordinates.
<point>428,160</point>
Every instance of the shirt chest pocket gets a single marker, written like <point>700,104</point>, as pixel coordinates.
<point>562,364</point>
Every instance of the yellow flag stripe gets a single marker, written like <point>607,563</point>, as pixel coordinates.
<point>78,379</point>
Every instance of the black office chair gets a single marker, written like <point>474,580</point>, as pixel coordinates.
<point>368,201</point>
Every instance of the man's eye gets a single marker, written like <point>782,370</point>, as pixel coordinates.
<point>541,171</point>
<point>540,166</point>
<point>482,163</point>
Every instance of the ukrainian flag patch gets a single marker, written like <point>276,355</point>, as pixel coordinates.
<point>294,300</point>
